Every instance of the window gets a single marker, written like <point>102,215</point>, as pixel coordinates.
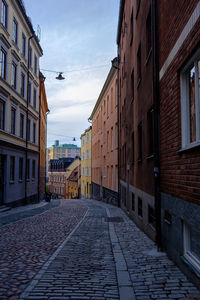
<point>30,57</point>
<point>190,102</point>
<point>29,130</point>
<point>140,142</point>
<point>133,147</point>
<point>140,210</point>
<point>150,133</point>
<point>133,201</point>
<point>34,133</point>
<point>111,100</point>
<point>3,64</point>
<point>13,116</point>
<point>20,168</point>
<point>28,170</point>
<point>112,178</point>
<point>21,126</point>
<point>132,28</point>
<point>151,216</point>
<point>22,84</point>
<point>148,34</point>
<point>23,45</point>
<point>35,64</point>
<point>34,98</point>
<point>191,245</point>
<point>112,139</point>
<point>14,75</point>
<point>2,115</point>
<point>107,106</point>
<point>107,141</point>
<point>33,169</point>
<point>29,92</point>
<point>15,31</point>
<point>139,65</point>
<point>12,168</point>
<point>4,14</point>
<point>87,137</point>
<point>132,84</point>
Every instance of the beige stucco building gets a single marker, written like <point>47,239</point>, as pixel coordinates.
<point>20,52</point>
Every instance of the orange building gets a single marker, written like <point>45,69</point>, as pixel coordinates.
<point>104,142</point>
<point>42,137</point>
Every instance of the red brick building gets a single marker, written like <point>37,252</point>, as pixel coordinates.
<point>136,113</point>
<point>179,73</point>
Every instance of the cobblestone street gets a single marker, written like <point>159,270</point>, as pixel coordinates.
<point>84,249</point>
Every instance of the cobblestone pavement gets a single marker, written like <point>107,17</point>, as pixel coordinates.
<point>27,244</point>
<point>20,213</point>
<point>108,257</point>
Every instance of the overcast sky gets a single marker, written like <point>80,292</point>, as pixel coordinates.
<point>76,35</point>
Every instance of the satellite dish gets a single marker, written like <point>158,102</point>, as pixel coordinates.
<point>38,33</point>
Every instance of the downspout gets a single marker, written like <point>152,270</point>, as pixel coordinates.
<point>156,101</point>
<point>27,93</point>
<point>39,135</point>
<point>118,134</point>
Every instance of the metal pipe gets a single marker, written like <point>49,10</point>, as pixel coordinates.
<point>156,101</point>
<point>27,93</point>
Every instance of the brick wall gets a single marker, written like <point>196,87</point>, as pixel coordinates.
<point>179,170</point>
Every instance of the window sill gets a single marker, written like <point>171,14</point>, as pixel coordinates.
<point>189,262</point>
<point>5,30</point>
<point>150,156</point>
<point>148,57</point>
<point>189,147</point>
<point>11,182</point>
<point>20,180</point>
<point>139,161</point>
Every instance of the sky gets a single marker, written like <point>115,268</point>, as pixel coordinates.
<point>78,38</point>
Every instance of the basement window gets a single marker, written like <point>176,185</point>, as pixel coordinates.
<point>191,246</point>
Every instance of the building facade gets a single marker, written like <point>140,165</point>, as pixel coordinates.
<point>20,52</point>
<point>179,73</point>
<point>57,176</point>
<point>74,183</point>
<point>74,165</point>
<point>104,142</point>
<point>86,139</point>
<point>136,113</point>
<point>42,137</point>
<point>64,150</point>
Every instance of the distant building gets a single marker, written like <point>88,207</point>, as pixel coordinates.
<point>76,163</point>
<point>105,143</point>
<point>86,138</point>
<point>20,52</point>
<point>57,176</point>
<point>64,150</point>
<point>73,183</point>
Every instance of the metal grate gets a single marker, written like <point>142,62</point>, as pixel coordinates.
<point>114,219</point>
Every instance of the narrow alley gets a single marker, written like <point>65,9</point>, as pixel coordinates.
<point>83,249</point>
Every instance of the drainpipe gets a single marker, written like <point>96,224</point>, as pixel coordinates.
<point>39,135</point>
<point>156,101</point>
<point>27,93</point>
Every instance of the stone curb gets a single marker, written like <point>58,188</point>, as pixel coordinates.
<point>126,291</point>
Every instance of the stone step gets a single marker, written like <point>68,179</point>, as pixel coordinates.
<point>4,208</point>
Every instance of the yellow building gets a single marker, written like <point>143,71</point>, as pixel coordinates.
<point>20,52</point>
<point>86,163</point>
<point>75,165</point>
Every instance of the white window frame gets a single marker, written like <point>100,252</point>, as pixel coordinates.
<point>185,121</point>
<point>190,257</point>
